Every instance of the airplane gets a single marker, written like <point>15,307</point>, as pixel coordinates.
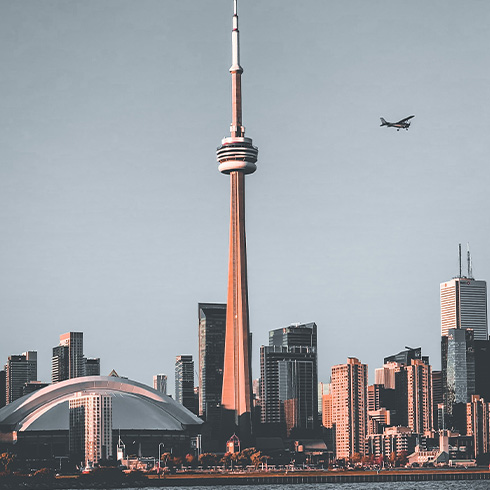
<point>403,124</point>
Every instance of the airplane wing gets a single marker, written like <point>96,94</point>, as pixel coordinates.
<point>404,120</point>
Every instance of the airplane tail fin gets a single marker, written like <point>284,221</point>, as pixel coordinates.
<point>383,122</point>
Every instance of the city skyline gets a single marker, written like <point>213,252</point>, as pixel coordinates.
<point>113,216</point>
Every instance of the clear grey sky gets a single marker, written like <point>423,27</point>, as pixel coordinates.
<point>114,217</point>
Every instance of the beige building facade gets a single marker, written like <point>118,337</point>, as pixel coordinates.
<point>349,407</point>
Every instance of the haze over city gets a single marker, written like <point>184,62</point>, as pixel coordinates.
<point>115,218</point>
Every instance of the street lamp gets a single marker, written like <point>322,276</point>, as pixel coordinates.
<point>160,456</point>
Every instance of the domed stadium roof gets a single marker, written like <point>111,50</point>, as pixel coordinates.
<point>134,406</point>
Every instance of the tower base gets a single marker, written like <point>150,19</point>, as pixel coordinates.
<point>242,429</point>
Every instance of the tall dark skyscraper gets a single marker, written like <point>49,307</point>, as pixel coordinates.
<point>237,157</point>
<point>19,370</point>
<point>92,366</point>
<point>458,373</point>
<point>60,364</point>
<point>3,389</point>
<point>482,369</point>
<point>289,377</point>
<point>406,356</point>
<point>67,361</point>
<point>437,400</point>
<point>212,329</point>
<point>184,382</point>
<point>465,348</point>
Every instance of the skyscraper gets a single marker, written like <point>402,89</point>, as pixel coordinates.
<point>160,383</point>
<point>482,368</point>
<point>237,157</point>
<point>3,388</point>
<point>60,364</point>
<point>406,356</point>
<point>349,407</point>
<point>458,367</point>
<point>184,382</point>
<point>92,366</point>
<point>289,374</point>
<point>327,410</point>
<point>419,397</point>
<point>385,376</point>
<point>91,427</point>
<point>465,348</point>
<point>478,424</point>
<point>67,359</point>
<point>212,329</point>
<point>412,403</point>
<point>437,400</point>
<point>464,305</point>
<point>18,371</point>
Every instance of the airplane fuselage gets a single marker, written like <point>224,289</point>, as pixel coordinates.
<point>403,124</point>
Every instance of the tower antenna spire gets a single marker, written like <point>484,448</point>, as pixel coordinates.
<point>468,258</point>
<point>460,266</point>
<point>236,71</point>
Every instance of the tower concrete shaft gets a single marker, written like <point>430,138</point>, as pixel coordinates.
<point>236,394</point>
<point>237,157</point>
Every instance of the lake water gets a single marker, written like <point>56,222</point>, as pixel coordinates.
<point>442,485</point>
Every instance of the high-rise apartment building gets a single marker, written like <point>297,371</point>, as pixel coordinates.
<point>212,331</point>
<point>184,382</point>
<point>349,407</point>
<point>327,411</point>
<point>19,370</point>
<point>92,366</point>
<point>419,397</point>
<point>323,389</point>
<point>380,406</point>
<point>76,361</point>
<point>60,365</point>
<point>91,427</point>
<point>160,383</point>
<point>410,402</point>
<point>385,376</point>
<point>478,424</point>
<point>68,361</point>
<point>289,374</point>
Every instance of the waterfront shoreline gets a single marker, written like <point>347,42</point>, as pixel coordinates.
<point>255,478</point>
<point>299,477</point>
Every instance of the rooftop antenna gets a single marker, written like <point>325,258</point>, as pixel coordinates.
<point>468,258</point>
<point>460,270</point>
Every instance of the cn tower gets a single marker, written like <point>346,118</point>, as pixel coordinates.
<point>237,157</point>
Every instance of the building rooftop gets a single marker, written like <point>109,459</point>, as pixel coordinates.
<point>134,406</point>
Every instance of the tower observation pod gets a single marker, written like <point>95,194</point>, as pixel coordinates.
<point>237,157</point>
